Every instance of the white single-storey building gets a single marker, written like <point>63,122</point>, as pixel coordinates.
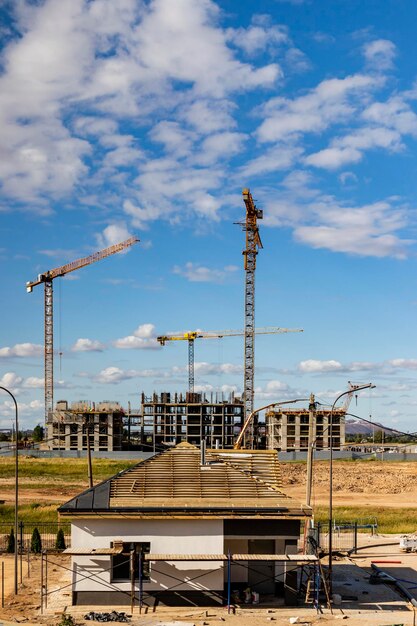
<point>182,528</point>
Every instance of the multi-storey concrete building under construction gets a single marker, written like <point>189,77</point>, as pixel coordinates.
<point>69,427</point>
<point>167,419</point>
<point>288,429</point>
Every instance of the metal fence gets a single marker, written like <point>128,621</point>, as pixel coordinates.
<point>48,532</point>
<point>344,534</point>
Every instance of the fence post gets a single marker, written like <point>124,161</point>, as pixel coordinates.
<point>140,581</point>
<point>355,537</point>
<point>21,551</point>
<point>318,535</point>
<point>229,582</point>
<point>42,583</point>
<point>2,584</point>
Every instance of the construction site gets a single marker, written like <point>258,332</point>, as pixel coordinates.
<point>204,521</point>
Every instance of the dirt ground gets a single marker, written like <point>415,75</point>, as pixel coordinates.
<point>388,484</point>
<point>362,603</point>
<point>376,483</point>
<point>372,483</point>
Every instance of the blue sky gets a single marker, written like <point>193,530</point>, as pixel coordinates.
<point>148,118</point>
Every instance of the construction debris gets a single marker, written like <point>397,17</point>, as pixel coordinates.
<point>114,616</point>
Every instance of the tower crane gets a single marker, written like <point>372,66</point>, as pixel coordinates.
<point>47,278</point>
<point>191,336</point>
<point>253,242</point>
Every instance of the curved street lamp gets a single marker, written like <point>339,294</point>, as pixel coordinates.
<point>16,492</point>
<point>345,393</point>
<point>239,440</point>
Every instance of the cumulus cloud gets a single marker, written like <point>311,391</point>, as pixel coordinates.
<point>314,366</point>
<point>87,345</point>
<point>11,381</point>
<point>33,382</point>
<point>200,274</point>
<point>211,369</point>
<point>380,54</point>
<point>22,350</point>
<point>320,220</point>
<point>350,148</point>
<point>143,338</point>
<point>76,66</point>
<point>114,375</point>
<point>113,234</point>
<point>333,100</point>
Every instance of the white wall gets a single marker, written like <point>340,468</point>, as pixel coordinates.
<point>166,537</point>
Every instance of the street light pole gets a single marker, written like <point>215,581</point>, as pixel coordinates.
<point>352,390</point>
<point>16,492</point>
<point>239,440</point>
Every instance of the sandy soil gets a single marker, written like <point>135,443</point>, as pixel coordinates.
<point>363,483</point>
<point>374,605</point>
<point>370,484</point>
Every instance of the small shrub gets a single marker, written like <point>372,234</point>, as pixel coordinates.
<point>36,542</point>
<point>67,620</point>
<point>60,540</point>
<point>10,542</point>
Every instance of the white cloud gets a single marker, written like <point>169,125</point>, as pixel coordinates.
<point>87,345</point>
<point>322,221</point>
<point>11,381</point>
<point>395,113</point>
<point>380,54</point>
<point>280,157</point>
<point>259,36</point>
<point>333,100</point>
<point>143,338</point>
<point>34,383</point>
<point>365,231</point>
<point>78,65</point>
<point>201,274</point>
<point>410,364</point>
<point>211,369</point>
<point>32,409</point>
<point>114,375</point>
<point>348,177</point>
<point>22,350</point>
<point>113,234</point>
<point>315,366</point>
<point>349,149</point>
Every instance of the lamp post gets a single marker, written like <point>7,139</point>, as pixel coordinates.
<point>16,492</point>
<point>352,390</point>
<point>239,440</point>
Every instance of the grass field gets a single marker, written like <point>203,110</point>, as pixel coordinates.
<point>389,520</point>
<point>75,469</point>
<point>66,478</point>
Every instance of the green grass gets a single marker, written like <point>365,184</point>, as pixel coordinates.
<point>389,520</point>
<point>74,469</point>
<point>29,513</point>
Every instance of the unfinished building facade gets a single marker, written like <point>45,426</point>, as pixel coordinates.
<point>288,429</point>
<point>167,420</point>
<point>69,427</point>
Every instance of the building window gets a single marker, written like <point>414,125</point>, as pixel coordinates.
<point>120,571</point>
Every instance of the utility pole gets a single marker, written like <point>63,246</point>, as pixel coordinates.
<point>311,443</point>
<point>89,464</point>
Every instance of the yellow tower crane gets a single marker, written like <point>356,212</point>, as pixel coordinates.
<point>191,336</point>
<point>47,278</point>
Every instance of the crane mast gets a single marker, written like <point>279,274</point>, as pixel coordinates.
<point>47,279</point>
<point>253,242</point>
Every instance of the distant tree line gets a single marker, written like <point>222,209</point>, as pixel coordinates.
<point>379,437</point>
